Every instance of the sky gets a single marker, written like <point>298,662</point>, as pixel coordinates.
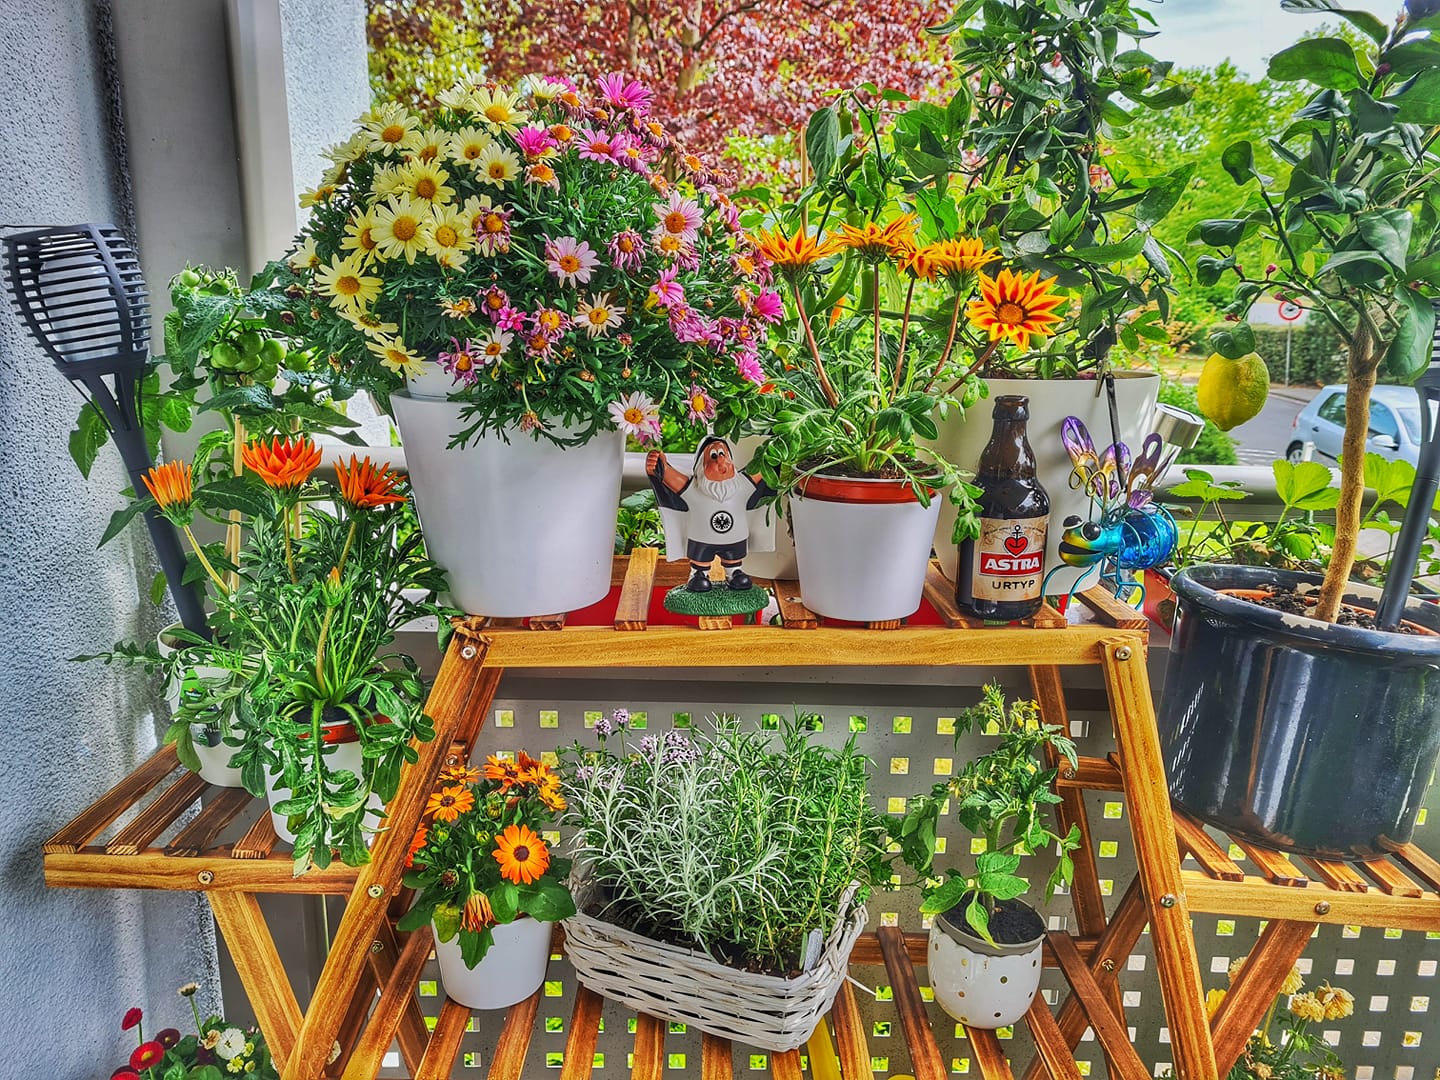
<point>1247,32</point>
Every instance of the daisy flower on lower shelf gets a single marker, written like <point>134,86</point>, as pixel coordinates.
<point>635,414</point>
<point>395,355</point>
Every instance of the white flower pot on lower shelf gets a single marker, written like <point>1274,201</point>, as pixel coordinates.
<point>511,970</point>
<point>347,755</point>
<point>979,984</point>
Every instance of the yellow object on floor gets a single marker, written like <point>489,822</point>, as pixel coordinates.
<point>824,1065</point>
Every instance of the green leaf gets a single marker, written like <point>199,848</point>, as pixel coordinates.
<point>1224,232</point>
<point>1409,351</point>
<point>1388,232</point>
<point>1304,485</point>
<point>158,585</point>
<point>473,947</point>
<point>548,902</point>
<point>1391,480</point>
<point>1367,23</point>
<point>1234,340</point>
<point>1238,159</point>
<point>1370,115</point>
<point>1413,57</point>
<point>1160,199</point>
<point>1419,103</point>
<point>1105,254</point>
<point>121,518</point>
<point>447,921</point>
<point>1327,61</point>
<point>822,141</point>
<point>90,434</point>
<point>235,493</point>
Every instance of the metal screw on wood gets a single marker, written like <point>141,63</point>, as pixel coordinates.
<point>1122,653</point>
<point>206,876</point>
<point>1108,964</point>
<point>375,892</point>
<point>377,946</point>
<point>467,653</point>
<point>1167,901</point>
<point>1322,908</point>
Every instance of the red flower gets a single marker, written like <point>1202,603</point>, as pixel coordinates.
<point>132,1018</point>
<point>168,1037</point>
<point>124,1073</point>
<point>146,1055</point>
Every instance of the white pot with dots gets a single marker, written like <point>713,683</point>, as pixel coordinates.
<point>979,984</point>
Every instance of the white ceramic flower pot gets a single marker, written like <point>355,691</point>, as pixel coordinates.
<point>1051,401</point>
<point>214,760</point>
<point>522,527</point>
<point>512,969</point>
<point>346,756</point>
<point>777,565</point>
<point>861,561</point>
<point>433,384</point>
<point>982,985</point>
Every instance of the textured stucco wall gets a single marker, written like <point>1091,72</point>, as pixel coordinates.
<point>71,961</point>
<point>326,81</point>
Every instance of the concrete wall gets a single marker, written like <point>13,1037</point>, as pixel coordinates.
<point>71,961</point>
<point>326,79</point>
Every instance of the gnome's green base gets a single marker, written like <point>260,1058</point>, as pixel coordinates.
<point>720,600</point>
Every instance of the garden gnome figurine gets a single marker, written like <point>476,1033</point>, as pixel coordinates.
<point>716,509</point>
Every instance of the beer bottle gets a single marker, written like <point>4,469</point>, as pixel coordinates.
<point>1000,573</point>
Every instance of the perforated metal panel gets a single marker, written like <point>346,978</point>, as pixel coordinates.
<point>905,721</point>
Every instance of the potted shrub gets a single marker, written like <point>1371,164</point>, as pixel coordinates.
<point>486,880</point>
<point>548,272</point>
<point>217,1049</point>
<point>985,942</point>
<point>720,879</point>
<point>1286,1047</point>
<point>1289,718</point>
<point>325,708</point>
<point>860,386</point>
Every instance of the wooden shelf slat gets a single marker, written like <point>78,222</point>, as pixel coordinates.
<point>1115,612</point>
<point>258,842</point>
<point>717,1058</point>
<point>649,1048</point>
<point>850,1042</point>
<point>548,622</point>
<point>158,816</point>
<point>988,1055</point>
<point>925,1056</point>
<point>444,1042</point>
<point>213,817</point>
<point>1337,875</point>
<point>508,1060</point>
<point>1091,773</point>
<point>940,592</point>
<point>1273,865</point>
<point>1212,858</point>
<point>1420,864</point>
<point>785,1065</point>
<point>633,610</point>
<point>1390,879</point>
<point>1050,1044</point>
<point>794,615</point>
<point>1125,1063</point>
<point>579,1060</point>
<point>395,997</point>
<point>1255,987</point>
<point>92,821</point>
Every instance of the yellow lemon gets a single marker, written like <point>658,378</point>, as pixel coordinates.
<point>1233,391</point>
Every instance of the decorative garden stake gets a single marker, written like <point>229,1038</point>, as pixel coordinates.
<point>716,509</point>
<point>80,292</point>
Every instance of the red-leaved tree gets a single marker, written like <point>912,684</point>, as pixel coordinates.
<point>719,68</point>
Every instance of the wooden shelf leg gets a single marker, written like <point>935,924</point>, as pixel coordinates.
<point>1255,986</point>
<point>1157,857</point>
<point>397,994</point>
<point>461,688</point>
<point>257,961</point>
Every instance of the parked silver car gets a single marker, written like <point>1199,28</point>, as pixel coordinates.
<point>1394,424</point>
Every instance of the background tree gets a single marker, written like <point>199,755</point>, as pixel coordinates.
<point>728,75</point>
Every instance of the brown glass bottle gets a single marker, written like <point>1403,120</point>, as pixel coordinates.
<point>1000,574</point>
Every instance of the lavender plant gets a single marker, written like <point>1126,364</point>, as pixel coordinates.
<point>720,840</point>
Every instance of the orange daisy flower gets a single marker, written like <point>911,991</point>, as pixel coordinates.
<point>478,913</point>
<point>364,486</point>
<point>502,771</point>
<point>959,258</point>
<point>172,486</point>
<point>418,842</point>
<point>449,803</point>
<point>791,254</point>
<point>550,795</point>
<point>285,464</point>
<point>522,855</point>
<point>460,774</point>
<point>1015,306</point>
<point>875,241</point>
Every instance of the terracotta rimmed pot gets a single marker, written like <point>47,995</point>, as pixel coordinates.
<point>979,984</point>
<point>861,546</point>
<point>1159,602</point>
<point>511,970</point>
<point>347,755</point>
<point>1292,733</point>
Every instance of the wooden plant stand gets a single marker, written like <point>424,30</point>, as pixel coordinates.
<point>365,998</point>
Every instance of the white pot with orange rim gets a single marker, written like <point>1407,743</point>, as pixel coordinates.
<point>862,545</point>
<point>344,753</point>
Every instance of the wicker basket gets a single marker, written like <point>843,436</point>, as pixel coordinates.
<point>682,985</point>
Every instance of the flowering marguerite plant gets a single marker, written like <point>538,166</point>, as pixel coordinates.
<point>564,261</point>
<point>479,860</point>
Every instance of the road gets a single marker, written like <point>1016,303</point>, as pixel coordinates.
<point>1262,440</point>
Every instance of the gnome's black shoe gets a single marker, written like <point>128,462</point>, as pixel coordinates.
<point>699,581</point>
<point>740,581</point>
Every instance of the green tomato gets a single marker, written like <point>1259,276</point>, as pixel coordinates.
<point>248,364</point>
<point>250,342</point>
<point>189,278</point>
<point>218,287</point>
<point>225,357</point>
<point>266,372</point>
<point>273,352</point>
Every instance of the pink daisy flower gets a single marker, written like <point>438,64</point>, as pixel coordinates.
<point>768,307</point>
<point>667,291</point>
<point>596,145</point>
<point>632,154</point>
<point>493,301</point>
<point>509,318</point>
<point>571,261</point>
<point>627,251</point>
<point>460,362</point>
<point>747,363</point>
<point>492,229</point>
<point>549,321</point>
<point>621,92</point>
<point>539,345</point>
<point>676,248</point>
<point>535,142</point>
<point>700,405</point>
<point>538,172</point>
<point>692,328</point>
<point>680,216</point>
<point>635,414</point>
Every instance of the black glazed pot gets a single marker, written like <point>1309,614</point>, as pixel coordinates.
<point>1293,733</point>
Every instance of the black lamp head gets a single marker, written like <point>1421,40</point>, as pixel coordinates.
<point>81,294</point>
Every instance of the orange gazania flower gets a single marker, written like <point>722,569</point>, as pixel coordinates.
<point>416,843</point>
<point>1015,306</point>
<point>364,486</point>
<point>875,241</point>
<point>550,795</point>
<point>478,913</point>
<point>449,803</point>
<point>285,464</point>
<point>522,855</point>
<point>171,485</point>
<point>793,253</point>
<point>460,774</point>
<point>960,257</point>
<point>502,771</point>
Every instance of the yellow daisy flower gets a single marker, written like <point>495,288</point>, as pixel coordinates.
<point>434,145</point>
<point>468,145</point>
<point>352,149</point>
<point>499,109</point>
<point>396,356</point>
<point>425,180</point>
<point>321,194</point>
<point>498,165</point>
<point>388,180</point>
<point>346,283</point>
<point>393,130</point>
<point>544,89</point>
<point>447,236</point>
<point>305,257</point>
<point>368,322</point>
<point>396,227</point>
<point>359,236</point>
<point>460,97</point>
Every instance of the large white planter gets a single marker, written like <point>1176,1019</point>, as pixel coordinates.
<point>347,757</point>
<point>1051,400</point>
<point>982,985</point>
<point>511,970</point>
<point>862,561</point>
<point>522,527</point>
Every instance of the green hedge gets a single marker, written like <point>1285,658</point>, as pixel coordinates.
<point>1214,446</point>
